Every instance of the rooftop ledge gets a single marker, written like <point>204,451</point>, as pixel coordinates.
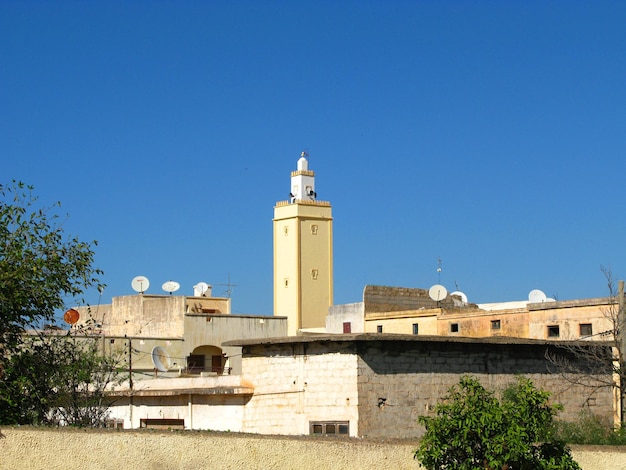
<point>166,387</point>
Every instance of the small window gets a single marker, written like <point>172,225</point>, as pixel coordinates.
<point>553,331</point>
<point>330,428</point>
<point>586,329</point>
<point>171,423</point>
<point>454,327</point>
<point>285,230</point>
<point>286,282</point>
<point>347,327</point>
<point>416,328</point>
<point>495,324</point>
<point>379,328</point>
<point>314,229</point>
<point>314,274</point>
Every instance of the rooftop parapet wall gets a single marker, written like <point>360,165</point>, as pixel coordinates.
<point>391,299</point>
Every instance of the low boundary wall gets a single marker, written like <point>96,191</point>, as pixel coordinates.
<point>32,448</point>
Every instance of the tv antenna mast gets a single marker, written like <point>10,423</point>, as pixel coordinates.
<point>228,286</point>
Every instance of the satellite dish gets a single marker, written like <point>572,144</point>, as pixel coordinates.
<point>140,284</point>
<point>536,296</point>
<point>200,289</point>
<point>71,316</point>
<point>437,292</point>
<point>460,294</point>
<point>161,359</point>
<point>170,286</point>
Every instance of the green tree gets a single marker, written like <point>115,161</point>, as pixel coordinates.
<point>59,378</point>
<point>473,428</point>
<point>40,268</point>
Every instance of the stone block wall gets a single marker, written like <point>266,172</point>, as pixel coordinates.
<point>398,381</point>
<point>295,384</point>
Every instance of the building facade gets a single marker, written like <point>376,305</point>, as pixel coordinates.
<point>401,310</point>
<point>189,330</point>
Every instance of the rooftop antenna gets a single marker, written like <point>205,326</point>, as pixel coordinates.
<point>229,286</point>
<point>439,270</point>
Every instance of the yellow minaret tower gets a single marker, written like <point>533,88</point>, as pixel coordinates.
<point>303,254</point>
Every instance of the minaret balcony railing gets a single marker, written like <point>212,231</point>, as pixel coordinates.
<point>306,202</point>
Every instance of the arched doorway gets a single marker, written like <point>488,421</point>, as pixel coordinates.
<point>207,359</point>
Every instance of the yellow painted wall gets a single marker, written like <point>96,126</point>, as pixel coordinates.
<point>35,448</point>
<point>303,267</point>
<point>402,322</point>
<point>530,322</point>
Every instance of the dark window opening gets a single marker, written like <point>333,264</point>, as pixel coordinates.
<point>347,327</point>
<point>379,328</point>
<point>329,428</point>
<point>163,423</point>
<point>454,328</point>
<point>586,329</point>
<point>416,328</point>
<point>553,331</point>
<point>495,324</point>
<point>195,363</point>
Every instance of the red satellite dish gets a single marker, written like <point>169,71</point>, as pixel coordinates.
<point>71,316</point>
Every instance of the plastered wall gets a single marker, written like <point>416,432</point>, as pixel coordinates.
<point>67,449</point>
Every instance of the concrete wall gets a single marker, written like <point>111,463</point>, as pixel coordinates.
<point>352,313</point>
<point>206,329</point>
<point>398,381</point>
<point>298,383</point>
<point>395,308</point>
<point>203,403</point>
<point>402,322</point>
<point>569,315</point>
<point>380,384</point>
<point>34,449</point>
<point>393,299</point>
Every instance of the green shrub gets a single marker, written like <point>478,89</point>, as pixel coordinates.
<point>590,429</point>
<point>474,429</point>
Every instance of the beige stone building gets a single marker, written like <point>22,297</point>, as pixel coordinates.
<point>411,311</point>
<point>190,330</point>
<point>366,385</point>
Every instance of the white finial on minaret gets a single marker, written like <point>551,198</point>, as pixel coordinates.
<point>303,163</point>
<point>302,182</point>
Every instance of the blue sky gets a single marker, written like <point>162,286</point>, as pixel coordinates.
<point>488,134</point>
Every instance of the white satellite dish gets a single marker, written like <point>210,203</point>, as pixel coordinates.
<point>460,294</point>
<point>140,284</point>
<point>536,296</point>
<point>161,359</point>
<point>170,286</point>
<point>437,292</point>
<point>200,289</point>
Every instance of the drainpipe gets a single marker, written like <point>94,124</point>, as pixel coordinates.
<point>621,315</point>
